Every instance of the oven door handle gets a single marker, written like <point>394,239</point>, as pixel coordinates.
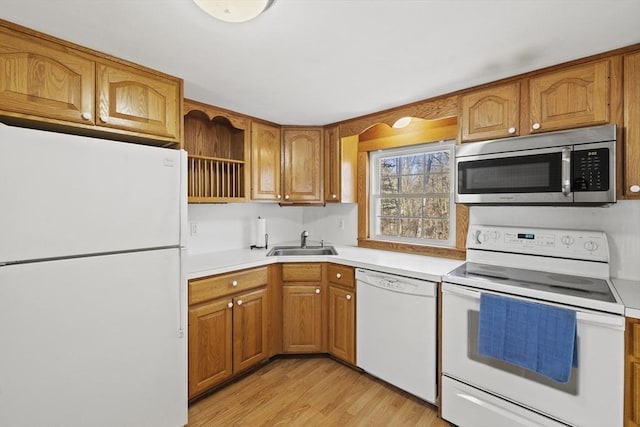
<point>464,292</point>
<point>606,320</point>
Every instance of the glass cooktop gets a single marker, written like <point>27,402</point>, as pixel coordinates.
<point>575,286</point>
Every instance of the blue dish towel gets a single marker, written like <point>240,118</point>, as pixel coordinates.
<point>537,337</point>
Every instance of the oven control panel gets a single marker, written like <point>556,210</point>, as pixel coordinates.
<point>578,244</point>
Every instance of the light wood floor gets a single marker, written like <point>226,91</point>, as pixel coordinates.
<point>311,392</point>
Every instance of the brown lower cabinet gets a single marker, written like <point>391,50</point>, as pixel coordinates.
<point>632,374</point>
<point>302,308</point>
<point>227,334</point>
<point>235,318</point>
<point>342,313</point>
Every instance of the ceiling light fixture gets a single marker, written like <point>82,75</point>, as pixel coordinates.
<point>402,122</point>
<point>234,10</point>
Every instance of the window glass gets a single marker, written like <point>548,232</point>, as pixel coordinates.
<point>411,194</point>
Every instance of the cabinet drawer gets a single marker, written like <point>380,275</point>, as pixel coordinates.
<point>301,272</point>
<point>213,287</point>
<point>341,275</point>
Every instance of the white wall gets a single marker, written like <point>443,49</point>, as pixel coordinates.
<point>621,222</point>
<point>233,226</point>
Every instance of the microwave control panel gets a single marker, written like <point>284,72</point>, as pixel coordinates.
<point>590,170</point>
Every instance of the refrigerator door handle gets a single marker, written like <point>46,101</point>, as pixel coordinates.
<point>182,288</point>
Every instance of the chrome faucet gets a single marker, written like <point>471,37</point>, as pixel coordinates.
<point>303,239</point>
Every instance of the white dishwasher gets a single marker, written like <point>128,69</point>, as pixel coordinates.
<point>396,331</point>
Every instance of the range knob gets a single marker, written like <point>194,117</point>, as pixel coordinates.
<point>567,240</point>
<point>590,245</point>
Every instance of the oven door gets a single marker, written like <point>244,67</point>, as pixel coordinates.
<point>530,176</point>
<point>593,397</point>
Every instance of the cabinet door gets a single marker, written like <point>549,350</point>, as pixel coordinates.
<point>44,80</point>
<point>573,97</point>
<point>249,329</point>
<point>210,345</point>
<point>302,179</point>
<point>134,100</point>
<point>490,113</point>
<point>332,165</point>
<point>631,185</point>
<point>265,162</point>
<point>302,318</point>
<point>342,324</point>
<point>632,381</point>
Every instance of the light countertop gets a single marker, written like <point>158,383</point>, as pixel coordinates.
<point>418,266</point>
<point>629,291</point>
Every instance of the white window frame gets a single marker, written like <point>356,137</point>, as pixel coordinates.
<point>375,196</point>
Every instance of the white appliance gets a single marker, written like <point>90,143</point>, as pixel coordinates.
<point>560,268</point>
<point>396,333</point>
<point>92,288</point>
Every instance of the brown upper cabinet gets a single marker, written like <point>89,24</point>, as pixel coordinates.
<point>631,186</point>
<point>287,170</point>
<point>567,98</point>
<point>302,165</point>
<point>570,97</point>
<point>490,113</point>
<point>340,162</point>
<point>55,83</point>
<point>265,162</point>
<point>217,142</point>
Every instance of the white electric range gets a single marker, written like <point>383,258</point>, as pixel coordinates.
<point>559,268</point>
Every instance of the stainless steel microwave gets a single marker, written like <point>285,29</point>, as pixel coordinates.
<point>556,168</point>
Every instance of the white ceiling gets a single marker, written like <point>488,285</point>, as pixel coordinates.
<point>314,62</point>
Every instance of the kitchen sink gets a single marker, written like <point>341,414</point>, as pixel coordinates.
<point>297,250</point>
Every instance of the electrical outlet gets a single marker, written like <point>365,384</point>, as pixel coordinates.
<point>194,228</point>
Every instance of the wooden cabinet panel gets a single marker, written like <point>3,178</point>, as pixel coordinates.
<point>250,329</point>
<point>341,275</point>
<point>342,324</point>
<point>44,79</point>
<point>265,162</point>
<point>490,113</point>
<point>201,290</point>
<point>302,165</point>
<point>332,165</point>
<point>568,98</point>
<point>134,100</point>
<point>632,374</point>
<point>631,184</point>
<point>210,345</point>
<point>302,318</point>
<point>302,272</point>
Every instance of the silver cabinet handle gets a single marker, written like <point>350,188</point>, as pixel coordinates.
<point>511,131</point>
<point>338,275</point>
<point>333,196</point>
<point>286,197</point>
<point>317,290</point>
<point>348,297</point>
<point>234,283</point>
<point>278,197</point>
<point>535,126</point>
<point>86,115</point>
<point>239,302</point>
<point>230,305</point>
<point>634,188</point>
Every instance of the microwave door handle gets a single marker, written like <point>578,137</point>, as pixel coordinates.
<point>566,171</point>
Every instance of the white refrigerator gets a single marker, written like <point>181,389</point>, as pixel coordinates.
<point>92,289</point>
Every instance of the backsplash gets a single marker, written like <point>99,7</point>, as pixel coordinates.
<point>232,226</point>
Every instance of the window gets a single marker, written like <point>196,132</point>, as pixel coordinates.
<point>411,198</point>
